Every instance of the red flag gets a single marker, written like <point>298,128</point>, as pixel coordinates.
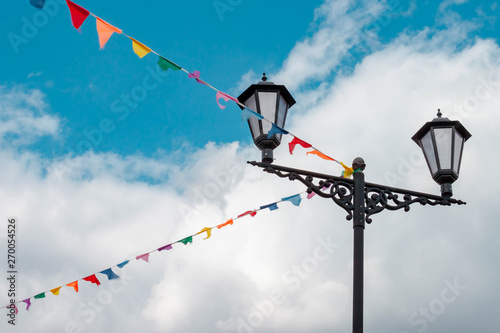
<point>93,279</point>
<point>250,212</point>
<point>297,141</point>
<point>78,14</point>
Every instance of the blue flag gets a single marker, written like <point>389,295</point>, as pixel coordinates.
<point>111,275</point>
<point>272,206</point>
<point>247,113</point>
<point>275,130</point>
<point>38,3</point>
<point>123,264</point>
<point>294,199</point>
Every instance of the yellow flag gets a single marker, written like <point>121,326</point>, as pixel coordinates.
<point>55,291</point>
<point>348,171</point>
<point>140,49</point>
<point>208,231</point>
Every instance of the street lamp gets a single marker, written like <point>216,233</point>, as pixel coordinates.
<point>441,140</point>
<point>272,102</point>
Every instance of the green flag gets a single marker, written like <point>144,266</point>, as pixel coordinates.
<point>42,295</point>
<point>187,240</point>
<point>166,64</point>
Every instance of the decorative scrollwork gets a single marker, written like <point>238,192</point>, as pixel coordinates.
<point>340,191</point>
<point>378,198</point>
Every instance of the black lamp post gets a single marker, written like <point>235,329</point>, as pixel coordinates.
<point>441,140</point>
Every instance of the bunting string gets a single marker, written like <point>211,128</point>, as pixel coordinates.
<point>295,200</point>
<point>105,30</point>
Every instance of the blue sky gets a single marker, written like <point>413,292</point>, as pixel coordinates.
<point>366,75</point>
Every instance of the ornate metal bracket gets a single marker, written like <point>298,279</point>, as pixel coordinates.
<point>341,191</point>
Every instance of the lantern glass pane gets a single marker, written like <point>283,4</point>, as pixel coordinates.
<point>267,103</point>
<point>443,137</point>
<point>253,122</point>
<point>459,141</point>
<point>428,149</point>
<point>282,109</point>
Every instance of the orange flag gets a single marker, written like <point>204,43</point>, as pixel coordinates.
<point>74,285</point>
<point>105,30</point>
<point>230,221</point>
<point>323,156</point>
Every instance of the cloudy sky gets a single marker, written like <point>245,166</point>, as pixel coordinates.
<point>103,158</point>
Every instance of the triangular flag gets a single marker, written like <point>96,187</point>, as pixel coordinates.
<point>13,305</point>
<point>55,291</point>
<point>297,141</point>
<point>294,199</point>
<point>166,247</point>
<point>123,264</point>
<point>228,222</point>
<point>272,206</point>
<point>247,113</point>
<point>111,275</point>
<point>226,98</point>
<point>38,3</point>
<point>92,278</point>
<point>28,303</point>
<point>312,194</point>
<point>166,64</point>
<point>78,14</point>
<point>105,30</point>
<point>275,130</point>
<point>186,240</point>
<point>208,231</point>
<point>196,76</point>
<point>252,213</point>
<point>347,173</point>
<point>144,257</point>
<point>140,49</point>
<point>74,285</point>
<point>323,156</point>
<point>42,295</point>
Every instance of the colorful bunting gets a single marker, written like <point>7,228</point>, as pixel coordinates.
<point>166,64</point>
<point>226,98</point>
<point>196,75</point>
<point>323,156</point>
<point>144,257</point>
<point>252,213</point>
<point>28,303</point>
<point>74,285</point>
<point>166,247</point>
<point>55,291</point>
<point>140,49</point>
<point>228,222</point>
<point>312,194</point>
<point>186,240</point>
<point>123,264</point>
<point>208,231</point>
<point>272,206</point>
<point>39,296</point>
<point>275,130</point>
<point>297,141</point>
<point>105,30</point>
<point>294,199</point>
<point>38,3</point>
<point>247,113</point>
<point>78,14</point>
<point>110,274</point>
<point>93,279</point>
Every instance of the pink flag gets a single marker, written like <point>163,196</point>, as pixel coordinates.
<point>226,97</point>
<point>144,257</point>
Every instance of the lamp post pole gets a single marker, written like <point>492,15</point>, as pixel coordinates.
<point>441,141</point>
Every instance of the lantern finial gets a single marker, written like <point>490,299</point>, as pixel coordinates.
<point>439,114</point>
<point>264,78</point>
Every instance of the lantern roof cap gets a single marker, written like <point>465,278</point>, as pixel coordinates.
<point>440,121</point>
<point>266,85</point>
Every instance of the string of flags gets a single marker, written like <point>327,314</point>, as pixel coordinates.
<point>111,274</point>
<point>105,30</point>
